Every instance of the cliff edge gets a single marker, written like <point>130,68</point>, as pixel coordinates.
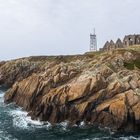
<point>99,88</point>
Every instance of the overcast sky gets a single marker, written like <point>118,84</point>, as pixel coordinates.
<point>53,27</point>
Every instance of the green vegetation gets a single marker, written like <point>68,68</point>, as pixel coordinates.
<point>94,53</point>
<point>135,47</point>
<point>132,65</point>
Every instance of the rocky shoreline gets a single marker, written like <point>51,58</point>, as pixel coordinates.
<point>98,88</point>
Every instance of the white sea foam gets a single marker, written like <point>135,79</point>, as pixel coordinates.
<point>1,98</point>
<point>82,124</point>
<point>1,102</point>
<point>106,129</point>
<point>103,138</point>
<point>1,95</point>
<point>129,138</point>
<point>120,138</point>
<point>64,125</point>
<point>22,121</point>
<point>19,119</point>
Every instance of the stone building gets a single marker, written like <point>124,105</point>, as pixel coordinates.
<point>119,44</point>
<point>109,46</point>
<point>128,40</point>
<point>105,46</point>
<point>131,40</point>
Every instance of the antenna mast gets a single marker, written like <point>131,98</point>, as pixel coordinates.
<point>93,41</point>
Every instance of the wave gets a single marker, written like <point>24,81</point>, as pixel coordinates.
<point>1,97</point>
<point>129,138</point>
<point>23,121</point>
<point>5,136</point>
<point>110,138</point>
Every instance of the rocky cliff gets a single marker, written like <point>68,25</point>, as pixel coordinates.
<point>97,88</point>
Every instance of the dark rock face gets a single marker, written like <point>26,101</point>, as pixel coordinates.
<point>99,90</point>
<point>17,70</point>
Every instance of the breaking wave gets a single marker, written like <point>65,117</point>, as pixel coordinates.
<point>23,121</point>
<point>15,124</point>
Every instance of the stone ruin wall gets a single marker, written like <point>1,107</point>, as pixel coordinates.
<point>129,40</point>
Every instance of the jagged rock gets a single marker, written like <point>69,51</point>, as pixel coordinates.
<point>119,110</point>
<point>57,78</point>
<point>79,90</point>
<point>129,56</point>
<point>72,88</point>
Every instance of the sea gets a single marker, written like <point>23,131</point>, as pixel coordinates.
<point>15,124</point>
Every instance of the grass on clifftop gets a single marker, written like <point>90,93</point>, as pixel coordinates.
<point>132,65</point>
<point>94,53</point>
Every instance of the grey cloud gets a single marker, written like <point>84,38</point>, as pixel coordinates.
<point>52,27</point>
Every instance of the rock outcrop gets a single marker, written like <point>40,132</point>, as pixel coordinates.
<point>95,88</point>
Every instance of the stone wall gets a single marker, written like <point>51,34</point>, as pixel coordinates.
<point>128,40</point>
<point>131,40</point>
<point>111,45</point>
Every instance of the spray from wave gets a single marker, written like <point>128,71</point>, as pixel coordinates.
<point>15,124</point>
<point>23,121</point>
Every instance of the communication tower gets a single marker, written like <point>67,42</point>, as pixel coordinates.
<point>93,41</point>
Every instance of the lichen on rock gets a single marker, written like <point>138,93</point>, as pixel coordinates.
<point>99,90</point>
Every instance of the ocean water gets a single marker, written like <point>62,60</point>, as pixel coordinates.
<point>16,125</point>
